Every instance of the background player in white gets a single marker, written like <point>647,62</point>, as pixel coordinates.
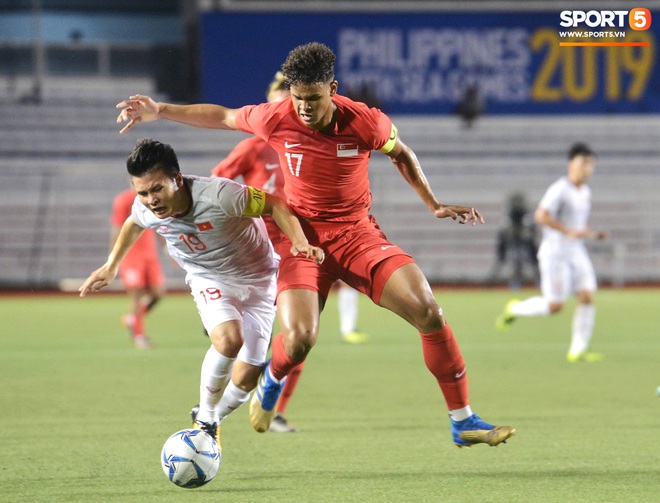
<point>564,264</point>
<point>213,231</point>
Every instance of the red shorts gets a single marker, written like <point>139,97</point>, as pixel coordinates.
<point>142,273</point>
<point>357,253</point>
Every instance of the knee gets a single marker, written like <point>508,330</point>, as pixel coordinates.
<point>427,317</point>
<point>299,341</point>
<point>247,379</point>
<point>555,307</point>
<point>226,343</point>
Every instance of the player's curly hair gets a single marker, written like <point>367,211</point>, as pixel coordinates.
<point>312,63</point>
<point>150,154</point>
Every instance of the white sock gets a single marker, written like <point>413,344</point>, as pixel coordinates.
<point>232,399</point>
<point>460,414</point>
<point>347,301</point>
<point>534,306</point>
<point>216,371</point>
<point>584,319</point>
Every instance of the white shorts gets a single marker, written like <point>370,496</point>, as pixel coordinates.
<point>252,304</point>
<point>562,275</point>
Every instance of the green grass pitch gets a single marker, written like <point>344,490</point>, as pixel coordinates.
<point>83,415</point>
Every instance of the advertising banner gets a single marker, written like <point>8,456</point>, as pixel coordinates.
<point>578,62</point>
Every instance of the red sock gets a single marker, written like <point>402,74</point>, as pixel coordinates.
<point>138,325</point>
<point>289,386</point>
<point>443,358</point>
<point>281,363</point>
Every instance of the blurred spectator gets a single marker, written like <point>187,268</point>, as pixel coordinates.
<point>471,106</point>
<point>516,245</point>
<point>75,35</point>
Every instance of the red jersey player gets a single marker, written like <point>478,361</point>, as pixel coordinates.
<point>324,141</point>
<point>259,166</point>
<point>140,272</point>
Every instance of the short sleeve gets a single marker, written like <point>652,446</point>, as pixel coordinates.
<point>252,119</point>
<point>551,200</point>
<point>381,128</point>
<point>138,213</point>
<point>394,133</point>
<point>232,197</point>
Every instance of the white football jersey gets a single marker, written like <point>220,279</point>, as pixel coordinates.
<point>214,239</point>
<point>570,205</point>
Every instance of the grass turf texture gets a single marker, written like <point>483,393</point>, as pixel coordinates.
<point>84,415</point>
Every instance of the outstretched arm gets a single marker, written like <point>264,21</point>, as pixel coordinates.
<point>407,164</point>
<point>141,108</point>
<point>288,222</point>
<point>104,275</point>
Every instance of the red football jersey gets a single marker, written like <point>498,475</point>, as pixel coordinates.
<point>257,163</point>
<point>325,173</point>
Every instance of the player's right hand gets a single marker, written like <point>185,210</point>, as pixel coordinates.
<point>138,108</point>
<point>99,279</point>
<point>461,214</point>
<point>313,252</point>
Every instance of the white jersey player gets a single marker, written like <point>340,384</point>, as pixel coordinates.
<point>213,230</point>
<point>564,263</point>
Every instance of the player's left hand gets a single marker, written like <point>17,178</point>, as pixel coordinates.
<point>461,214</point>
<point>313,252</point>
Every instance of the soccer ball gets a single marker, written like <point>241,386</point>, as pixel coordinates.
<point>190,458</point>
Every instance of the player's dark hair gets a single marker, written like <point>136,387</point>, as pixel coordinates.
<point>312,63</point>
<point>150,154</point>
<point>580,149</point>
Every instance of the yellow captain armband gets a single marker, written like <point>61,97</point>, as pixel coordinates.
<point>256,202</point>
<point>390,143</point>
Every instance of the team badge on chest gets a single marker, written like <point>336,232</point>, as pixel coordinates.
<point>347,149</point>
<point>204,226</point>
